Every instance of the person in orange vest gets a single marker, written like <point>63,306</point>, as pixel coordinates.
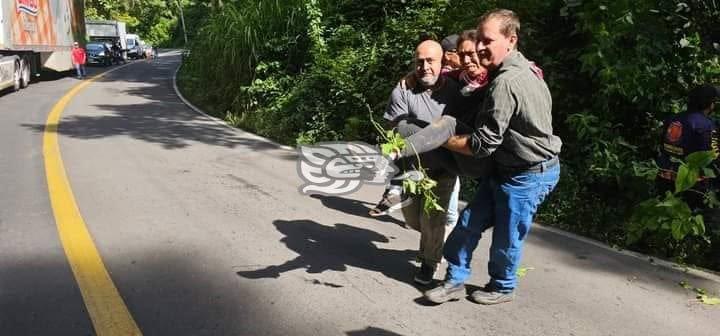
<point>683,134</point>
<point>79,58</point>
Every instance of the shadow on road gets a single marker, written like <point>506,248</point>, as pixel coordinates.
<point>54,76</point>
<point>353,207</point>
<point>51,76</point>
<point>153,113</point>
<point>168,296</point>
<point>333,248</point>
<point>372,331</point>
<point>586,257</point>
<point>45,76</point>
<point>152,122</point>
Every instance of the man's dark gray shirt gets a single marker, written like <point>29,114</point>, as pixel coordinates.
<point>422,104</point>
<point>515,121</point>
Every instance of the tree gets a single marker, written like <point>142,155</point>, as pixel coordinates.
<point>154,20</point>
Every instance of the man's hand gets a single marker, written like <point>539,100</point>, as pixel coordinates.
<point>408,82</point>
<point>459,144</point>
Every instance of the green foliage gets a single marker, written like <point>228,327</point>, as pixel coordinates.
<point>690,171</point>
<point>392,142</point>
<point>302,71</point>
<point>669,215</point>
<point>154,20</point>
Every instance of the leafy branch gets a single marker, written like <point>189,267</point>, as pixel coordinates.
<point>393,142</point>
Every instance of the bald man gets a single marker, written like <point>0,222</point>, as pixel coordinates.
<point>423,104</point>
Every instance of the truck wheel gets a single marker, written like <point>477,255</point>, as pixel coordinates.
<point>25,75</point>
<point>17,77</point>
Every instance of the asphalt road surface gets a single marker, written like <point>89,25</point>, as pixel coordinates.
<point>203,232</point>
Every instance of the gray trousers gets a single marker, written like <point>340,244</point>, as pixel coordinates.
<point>433,226</point>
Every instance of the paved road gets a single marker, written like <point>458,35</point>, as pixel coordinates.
<point>204,233</point>
<point>38,294</point>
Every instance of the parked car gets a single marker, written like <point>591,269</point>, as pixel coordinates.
<point>99,53</point>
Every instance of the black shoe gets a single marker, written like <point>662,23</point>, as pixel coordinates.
<point>490,296</point>
<point>424,275</point>
<point>389,203</point>
<point>446,292</point>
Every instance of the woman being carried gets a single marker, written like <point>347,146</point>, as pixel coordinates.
<point>472,78</point>
<point>428,139</point>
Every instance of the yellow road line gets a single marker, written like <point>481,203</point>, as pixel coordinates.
<point>107,310</point>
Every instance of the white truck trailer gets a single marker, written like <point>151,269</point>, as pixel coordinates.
<point>108,31</point>
<point>35,35</point>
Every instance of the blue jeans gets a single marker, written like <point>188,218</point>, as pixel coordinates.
<point>507,203</point>
<point>80,69</point>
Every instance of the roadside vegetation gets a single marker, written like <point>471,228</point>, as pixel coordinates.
<point>303,71</point>
<point>156,21</point>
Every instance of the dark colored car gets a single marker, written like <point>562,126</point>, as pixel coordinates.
<point>98,53</point>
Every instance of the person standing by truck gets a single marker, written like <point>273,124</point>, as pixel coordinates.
<point>117,53</point>
<point>79,58</point>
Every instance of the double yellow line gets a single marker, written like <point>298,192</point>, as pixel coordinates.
<point>107,310</point>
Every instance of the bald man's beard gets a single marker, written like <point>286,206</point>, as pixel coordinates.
<point>428,80</point>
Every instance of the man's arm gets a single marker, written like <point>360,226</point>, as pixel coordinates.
<point>494,119</point>
<point>459,144</point>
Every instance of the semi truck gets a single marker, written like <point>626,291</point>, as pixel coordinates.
<point>37,35</point>
<point>108,31</point>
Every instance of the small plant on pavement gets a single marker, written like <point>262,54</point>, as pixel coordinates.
<point>522,271</point>
<point>701,294</point>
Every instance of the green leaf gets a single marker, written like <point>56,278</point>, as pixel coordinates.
<point>522,271</point>
<point>410,186</point>
<point>686,178</point>
<point>670,201</point>
<point>428,183</point>
<point>386,148</point>
<point>700,160</point>
<point>699,227</point>
<point>678,230</point>
<point>709,300</point>
<point>430,204</point>
<point>437,206</point>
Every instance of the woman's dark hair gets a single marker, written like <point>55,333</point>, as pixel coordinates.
<point>701,97</point>
<point>467,35</point>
